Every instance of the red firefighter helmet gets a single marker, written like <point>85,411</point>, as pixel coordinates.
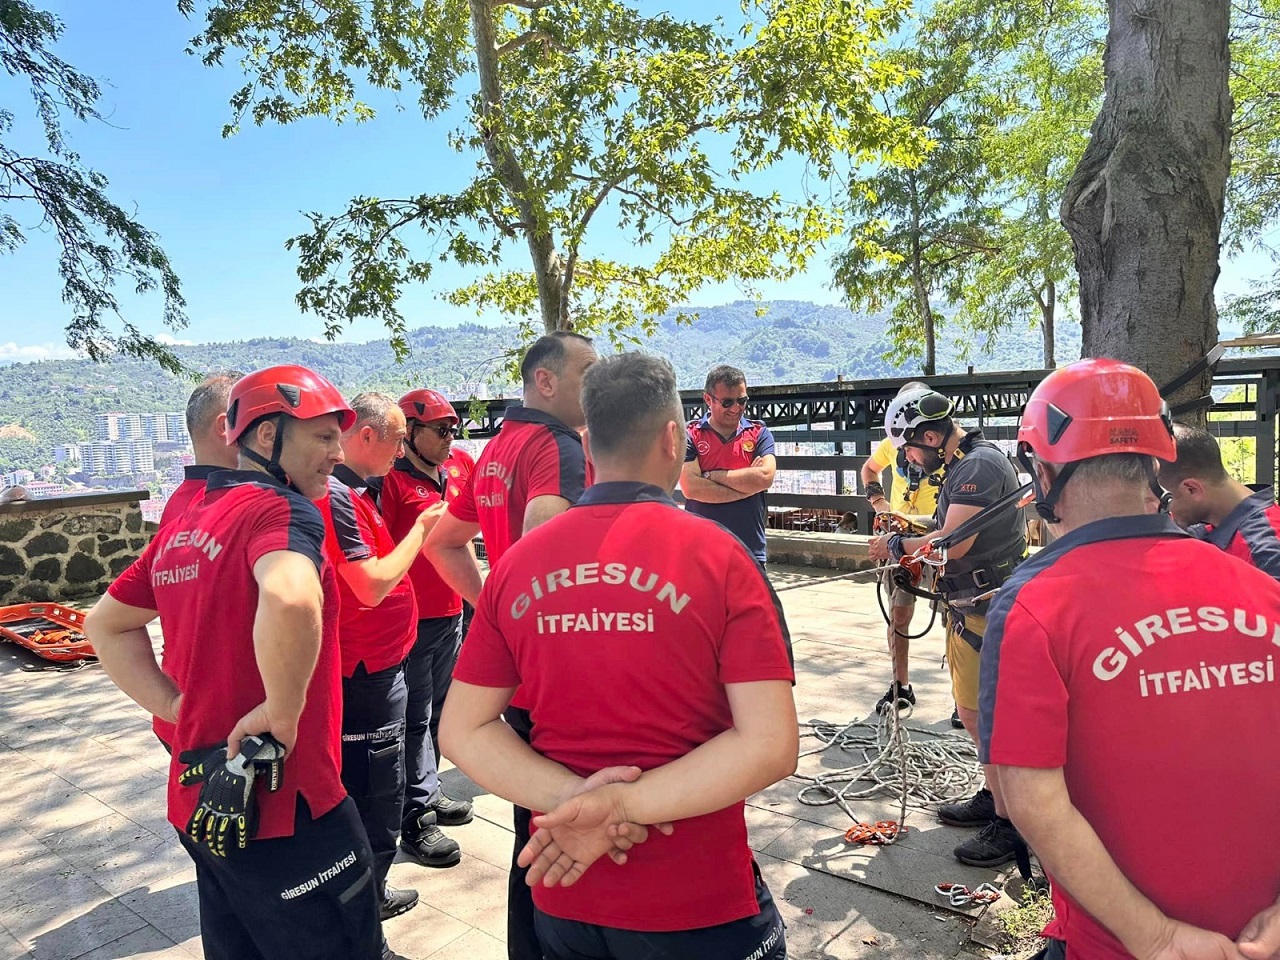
<point>290,390</point>
<point>1095,407</point>
<point>427,405</point>
<point>1087,409</point>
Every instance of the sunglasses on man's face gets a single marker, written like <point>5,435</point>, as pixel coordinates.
<point>444,432</point>
<point>729,403</point>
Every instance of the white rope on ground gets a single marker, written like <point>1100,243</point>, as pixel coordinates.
<point>913,765</point>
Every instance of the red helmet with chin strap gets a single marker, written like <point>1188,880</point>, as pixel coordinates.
<point>1092,408</point>
<point>427,405</point>
<point>290,390</point>
<point>1095,407</point>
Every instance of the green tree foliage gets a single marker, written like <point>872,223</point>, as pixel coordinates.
<point>587,110</point>
<point>1006,93</point>
<point>1045,85</point>
<point>100,242</point>
<point>1253,192</point>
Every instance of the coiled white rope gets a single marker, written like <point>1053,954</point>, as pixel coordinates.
<point>913,765</point>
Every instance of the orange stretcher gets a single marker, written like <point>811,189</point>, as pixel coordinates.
<point>48,630</point>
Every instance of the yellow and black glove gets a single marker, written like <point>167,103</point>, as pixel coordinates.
<point>227,808</point>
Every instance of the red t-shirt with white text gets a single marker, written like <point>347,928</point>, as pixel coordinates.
<point>380,636</point>
<point>197,573</point>
<point>406,493</point>
<point>533,455</point>
<point>1142,663</point>
<point>623,642</point>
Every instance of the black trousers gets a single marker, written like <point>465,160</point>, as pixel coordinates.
<point>427,674</point>
<point>373,710</point>
<point>305,897</point>
<point>522,938</point>
<point>761,937</point>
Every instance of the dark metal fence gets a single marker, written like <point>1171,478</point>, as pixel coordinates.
<point>848,416</point>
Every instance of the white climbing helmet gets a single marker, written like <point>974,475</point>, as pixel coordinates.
<point>910,411</point>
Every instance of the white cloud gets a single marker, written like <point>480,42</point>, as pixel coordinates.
<point>172,341</point>
<point>13,353</point>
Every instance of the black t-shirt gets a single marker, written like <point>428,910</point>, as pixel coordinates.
<point>978,476</point>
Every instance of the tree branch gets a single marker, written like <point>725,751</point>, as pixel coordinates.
<point>526,38</point>
<point>524,4</point>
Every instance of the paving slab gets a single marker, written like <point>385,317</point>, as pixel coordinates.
<point>90,869</point>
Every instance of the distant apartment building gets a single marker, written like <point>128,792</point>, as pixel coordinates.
<point>158,427</point>
<point>101,458</point>
<point>18,478</point>
<point>117,426</point>
<point>67,453</point>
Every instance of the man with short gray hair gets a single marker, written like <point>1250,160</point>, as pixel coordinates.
<point>377,626</point>
<point>207,427</point>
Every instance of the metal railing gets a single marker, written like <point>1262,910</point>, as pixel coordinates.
<point>847,416</point>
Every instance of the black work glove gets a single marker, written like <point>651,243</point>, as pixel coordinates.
<point>227,806</point>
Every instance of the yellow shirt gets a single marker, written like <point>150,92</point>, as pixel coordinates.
<point>920,503</point>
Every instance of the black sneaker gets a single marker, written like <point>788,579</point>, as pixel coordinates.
<point>453,813</point>
<point>396,901</point>
<point>978,810</point>
<point>904,696</point>
<point>956,722</point>
<point>995,844</point>
<point>428,845</point>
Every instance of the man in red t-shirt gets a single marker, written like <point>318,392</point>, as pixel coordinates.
<point>606,627</point>
<point>1127,678</point>
<point>207,426</point>
<point>249,609</point>
<point>533,470</point>
<point>1243,521</point>
<point>730,463</point>
<point>376,630</point>
<point>429,475</point>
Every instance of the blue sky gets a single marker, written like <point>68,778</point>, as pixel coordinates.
<point>223,208</point>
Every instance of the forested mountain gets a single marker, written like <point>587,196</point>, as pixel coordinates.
<point>793,342</point>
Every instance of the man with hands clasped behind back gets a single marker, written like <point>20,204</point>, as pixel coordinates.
<point>607,628</point>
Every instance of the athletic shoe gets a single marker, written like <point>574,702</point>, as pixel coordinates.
<point>956,722</point>
<point>904,696</point>
<point>995,844</point>
<point>978,810</point>
<point>397,901</point>
<point>428,845</point>
<point>453,813</point>
<point>387,952</point>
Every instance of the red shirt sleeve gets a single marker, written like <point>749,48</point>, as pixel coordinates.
<point>286,523</point>
<point>350,534</point>
<point>755,642</point>
<point>133,586</point>
<point>1029,715</point>
<point>557,468</point>
<point>486,659</point>
<point>463,506</point>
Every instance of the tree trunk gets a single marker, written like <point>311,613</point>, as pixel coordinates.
<point>1144,207</point>
<point>1048,306</point>
<point>548,265</point>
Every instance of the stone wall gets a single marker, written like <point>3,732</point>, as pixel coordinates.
<point>68,548</point>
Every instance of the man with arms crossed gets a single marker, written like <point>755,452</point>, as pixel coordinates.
<point>1127,679</point>
<point>605,626</point>
<point>729,464</point>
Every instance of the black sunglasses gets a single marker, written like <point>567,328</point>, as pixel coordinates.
<point>730,402</point>
<point>444,431</point>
